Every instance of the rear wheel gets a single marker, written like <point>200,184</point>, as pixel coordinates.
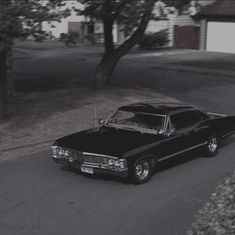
<point>141,171</point>
<point>211,147</point>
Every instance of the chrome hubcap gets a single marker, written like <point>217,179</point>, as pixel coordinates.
<point>142,169</point>
<point>212,144</point>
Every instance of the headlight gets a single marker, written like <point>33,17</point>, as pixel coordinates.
<point>61,152</point>
<point>111,162</point>
<point>54,149</point>
<point>67,154</point>
<point>117,164</point>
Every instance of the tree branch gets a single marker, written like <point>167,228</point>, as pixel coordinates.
<point>136,36</point>
<point>120,6</point>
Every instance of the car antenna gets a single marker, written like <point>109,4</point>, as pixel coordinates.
<point>95,116</point>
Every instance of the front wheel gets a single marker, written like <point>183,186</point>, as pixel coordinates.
<point>211,147</point>
<point>141,171</point>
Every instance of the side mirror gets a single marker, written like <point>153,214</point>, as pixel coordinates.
<point>169,133</point>
<point>101,122</point>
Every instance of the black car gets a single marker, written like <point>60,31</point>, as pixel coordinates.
<point>136,137</point>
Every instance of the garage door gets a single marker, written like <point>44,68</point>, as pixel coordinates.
<point>221,37</point>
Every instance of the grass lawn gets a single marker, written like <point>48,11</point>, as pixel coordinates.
<point>45,45</point>
<point>47,115</point>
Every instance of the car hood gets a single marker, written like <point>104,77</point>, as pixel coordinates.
<point>107,141</point>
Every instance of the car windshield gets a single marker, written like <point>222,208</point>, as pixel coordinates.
<point>143,122</point>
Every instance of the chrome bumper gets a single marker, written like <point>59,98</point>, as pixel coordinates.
<point>97,168</point>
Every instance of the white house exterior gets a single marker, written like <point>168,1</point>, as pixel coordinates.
<point>55,29</point>
<point>171,19</point>
<point>78,23</point>
<point>217,31</point>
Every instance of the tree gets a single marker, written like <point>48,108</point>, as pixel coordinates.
<point>135,14</point>
<point>18,20</point>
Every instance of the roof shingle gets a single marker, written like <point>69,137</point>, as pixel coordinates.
<point>220,8</point>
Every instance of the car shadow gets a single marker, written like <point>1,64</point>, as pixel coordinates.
<point>160,166</point>
<point>96,176</point>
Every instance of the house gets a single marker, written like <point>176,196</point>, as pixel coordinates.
<point>188,29</point>
<point>183,29</point>
<point>71,23</point>
<point>79,24</point>
<point>217,26</point>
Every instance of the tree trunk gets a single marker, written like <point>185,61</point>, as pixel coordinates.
<point>3,84</point>
<point>112,55</point>
<point>104,71</point>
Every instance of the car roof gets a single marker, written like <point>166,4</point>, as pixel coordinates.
<point>157,108</point>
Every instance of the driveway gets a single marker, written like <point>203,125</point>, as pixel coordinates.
<point>39,197</point>
<point>206,88</point>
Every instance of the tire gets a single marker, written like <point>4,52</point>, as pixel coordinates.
<point>211,147</point>
<point>141,171</point>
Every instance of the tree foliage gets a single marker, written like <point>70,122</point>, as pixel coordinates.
<point>18,20</point>
<point>134,16</point>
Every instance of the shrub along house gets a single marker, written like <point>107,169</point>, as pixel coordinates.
<point>217,26</point>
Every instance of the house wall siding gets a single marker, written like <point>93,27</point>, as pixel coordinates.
<point>184,20</point>
<point>173,19</point>
<point>56,28</point>
<point>203,32</point>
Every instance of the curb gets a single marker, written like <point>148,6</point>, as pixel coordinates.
<point>214,72</point>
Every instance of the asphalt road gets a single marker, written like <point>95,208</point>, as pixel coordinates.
<point>37,196</point>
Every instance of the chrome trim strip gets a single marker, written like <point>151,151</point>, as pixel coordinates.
<point>219,114</point>
<point>56,157</point>
<point>230,133</point>
<point>166,120</point>
<point>102,167</point>
<point>182,151</point>
<point>99,155</point>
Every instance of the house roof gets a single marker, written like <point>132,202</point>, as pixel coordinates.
<point>219,9</point>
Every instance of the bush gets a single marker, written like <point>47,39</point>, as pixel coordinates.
<point>218,215</point>
<point>70,38</point>
<point>155,40</point>
<point>96,38</point>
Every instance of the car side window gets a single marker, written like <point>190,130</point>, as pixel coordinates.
<point>202,115</point>
<point>184,120</point>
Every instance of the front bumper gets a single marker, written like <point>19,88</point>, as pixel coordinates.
<point>96,168</point>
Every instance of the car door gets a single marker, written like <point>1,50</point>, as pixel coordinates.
<point>200,130</point>
<point>176,137</point>
<point>192,126</point>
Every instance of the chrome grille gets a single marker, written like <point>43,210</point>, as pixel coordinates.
<point>80,157</point>
<point>95,159</point>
